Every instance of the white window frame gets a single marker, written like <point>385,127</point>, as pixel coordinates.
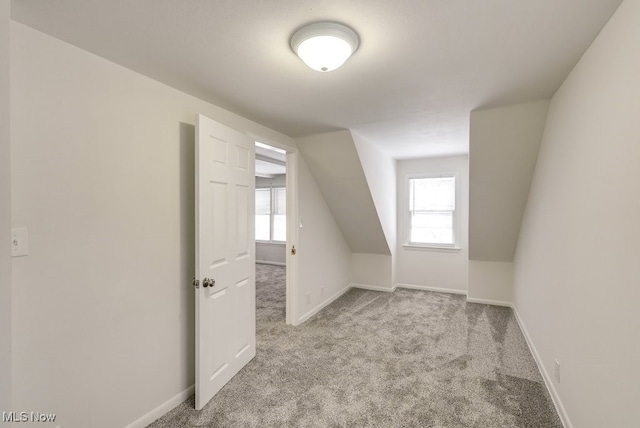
<point>271,214</point>
<point>455,246</point>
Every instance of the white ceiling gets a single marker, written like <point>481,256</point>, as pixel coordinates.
<point>421,67</point>
<point>269,169</point>
<point>270,161</point>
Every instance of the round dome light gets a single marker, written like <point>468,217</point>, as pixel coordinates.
<point>324,46</point>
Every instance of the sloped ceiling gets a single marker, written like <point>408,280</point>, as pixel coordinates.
<point>422,65</point>
<point>335,165</point>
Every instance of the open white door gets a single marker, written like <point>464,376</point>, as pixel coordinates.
<point>225,256</point>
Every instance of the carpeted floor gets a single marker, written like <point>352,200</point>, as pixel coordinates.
<point>370,359</point>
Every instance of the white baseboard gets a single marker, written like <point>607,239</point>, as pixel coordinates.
<point>162,409</point>
<point>319,307</point>
<point>427,288</point>
<point>373,287</point>
<point>267,262</point>
<point>435,289</point>
<point>564,417</point>
<point>489,302</point>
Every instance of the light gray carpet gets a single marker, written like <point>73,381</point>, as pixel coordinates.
<point>371,359</point>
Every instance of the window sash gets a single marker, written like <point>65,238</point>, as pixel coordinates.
<point>262,227</point>
<point>432,220</point>
<point>270,216</point>
<point>438,230</point>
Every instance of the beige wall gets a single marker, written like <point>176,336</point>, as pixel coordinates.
<point>372,271</point>
<point>324,257</point>
<point>102,176</point>
<point>271,253</point>
<point>5,212</point>
<point>490,282</point>
<point>380,171</point>
<point>503,148</point>
<point>577,270</point>
<point>335,165</point>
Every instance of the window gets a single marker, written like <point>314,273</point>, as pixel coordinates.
<point>279,197</point>
<point>271,209</point>
<point>432,211</point>
<point>263,214</point>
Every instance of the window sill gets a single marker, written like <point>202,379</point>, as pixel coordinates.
<point>275,243</point>
<point>419,247</point>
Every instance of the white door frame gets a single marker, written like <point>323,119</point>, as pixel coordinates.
<point>293,225</point>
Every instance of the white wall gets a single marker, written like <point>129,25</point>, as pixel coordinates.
<point>577,270</point>
<point>334,163</point>
<point>503,148</point>
<point>5,212</point>
<point>436,269</point>
<point>102,175</point>
<point>271,252</point>
<point>490,282</point>
<point>380,172</point>
<point>324,257</point>
<point>372,271</point>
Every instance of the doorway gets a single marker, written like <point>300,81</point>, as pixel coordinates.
<point>276,220</point>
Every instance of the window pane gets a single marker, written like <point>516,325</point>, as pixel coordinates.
<point>262,227</point>
<point>434,194</point>
<point>263,202</point>
<point>432,228</point>
<point>279,228</point>
<point>431,236</point>
<point>437,220</point>
<point>431,210</point>
<point>280,198</point>
<point>265,215</point>
<point>279,217</point>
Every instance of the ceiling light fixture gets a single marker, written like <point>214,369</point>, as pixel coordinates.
<point>324,46</point>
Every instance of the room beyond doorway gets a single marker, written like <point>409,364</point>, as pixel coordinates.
<point>271,205</point>
<point>272,214</point>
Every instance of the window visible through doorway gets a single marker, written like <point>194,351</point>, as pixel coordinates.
<point>432,211</point>
<point>271,209</point>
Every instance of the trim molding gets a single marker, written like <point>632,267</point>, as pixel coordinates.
<point>162,409</point>
<point>557,402</point>
<point>490,302</point>
<point>416,247</point>
<point>427,288</point>
<point>321,305</point>
<point>267,262</point>
<point>271,243</point>
<point>373,287</point>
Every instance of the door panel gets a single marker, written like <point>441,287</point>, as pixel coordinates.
<point>225,311</point>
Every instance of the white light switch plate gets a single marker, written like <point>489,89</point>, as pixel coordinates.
<point>19,242</point>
